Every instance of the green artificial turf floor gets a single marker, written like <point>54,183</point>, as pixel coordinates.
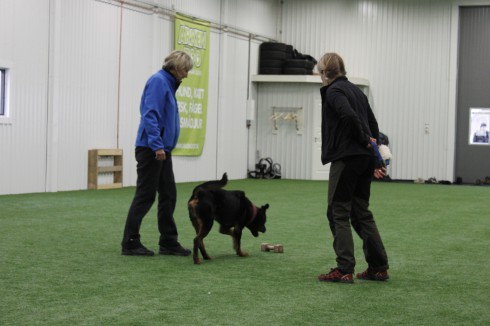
<point>60,261</point>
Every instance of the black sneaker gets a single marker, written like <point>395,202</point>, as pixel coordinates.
<point>140,251</point>
<point>177,251</point>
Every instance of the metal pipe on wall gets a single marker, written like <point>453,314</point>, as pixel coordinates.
<point>171,12</point>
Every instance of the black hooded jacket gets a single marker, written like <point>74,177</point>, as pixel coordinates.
<point>348,122</point>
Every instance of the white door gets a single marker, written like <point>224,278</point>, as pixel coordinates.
<point>318,170</point>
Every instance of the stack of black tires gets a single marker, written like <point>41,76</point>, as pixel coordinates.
<point>282,59</point>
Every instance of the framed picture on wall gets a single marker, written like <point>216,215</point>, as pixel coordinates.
<point>479,126</point>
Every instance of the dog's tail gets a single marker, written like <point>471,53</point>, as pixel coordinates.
<point>209,185</point>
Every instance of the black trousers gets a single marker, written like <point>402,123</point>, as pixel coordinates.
<point>153,177</point>
<point>349,190</point>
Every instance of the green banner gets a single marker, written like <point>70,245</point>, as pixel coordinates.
<point>192,36</point>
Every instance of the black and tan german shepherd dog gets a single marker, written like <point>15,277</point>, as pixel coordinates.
<point>230,208</point>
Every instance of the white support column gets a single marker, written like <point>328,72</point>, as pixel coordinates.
<point>222,89</point>
<point>53,106</point>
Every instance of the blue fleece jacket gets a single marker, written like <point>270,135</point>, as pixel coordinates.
<point>160,123</point>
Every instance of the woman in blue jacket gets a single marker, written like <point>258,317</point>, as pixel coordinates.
<point>157,136</point>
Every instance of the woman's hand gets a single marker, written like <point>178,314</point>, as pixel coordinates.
<point>160,155</point>
<point>380,173</point>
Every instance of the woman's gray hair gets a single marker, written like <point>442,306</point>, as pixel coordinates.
<point>178,60</point>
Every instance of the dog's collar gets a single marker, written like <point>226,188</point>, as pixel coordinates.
<point>254,214</point>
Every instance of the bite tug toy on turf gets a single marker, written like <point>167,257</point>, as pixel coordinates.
<point>269,247</point>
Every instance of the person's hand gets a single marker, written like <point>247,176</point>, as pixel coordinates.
<point>371,140</point>
<point>160,155</point>
<point>380,173</point>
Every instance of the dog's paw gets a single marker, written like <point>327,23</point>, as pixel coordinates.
<point>197,261</point>
<point>242,254</point>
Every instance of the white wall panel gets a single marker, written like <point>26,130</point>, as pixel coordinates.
<point>255,16</point>
<point>291,150</point>
<point>232,131</point>
<point>403,49</point>
<point>88,79</point>
<point>24,26</point>
<point>138,63</point>
<point>205,9</point>
<point>252,156</point>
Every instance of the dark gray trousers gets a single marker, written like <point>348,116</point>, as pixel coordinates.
<point>349,190</point>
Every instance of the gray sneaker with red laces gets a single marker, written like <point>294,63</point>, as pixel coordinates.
<point>336,275</point>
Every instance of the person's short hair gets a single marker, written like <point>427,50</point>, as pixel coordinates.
<point>332,65</point>
<point>178,60</point>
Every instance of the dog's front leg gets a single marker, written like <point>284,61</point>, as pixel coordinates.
<point>230,232</point>
<point>237,237</point>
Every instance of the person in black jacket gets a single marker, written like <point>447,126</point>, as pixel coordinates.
<point>349,132</point>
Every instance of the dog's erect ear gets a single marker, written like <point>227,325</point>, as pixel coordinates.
<point>265,206</point>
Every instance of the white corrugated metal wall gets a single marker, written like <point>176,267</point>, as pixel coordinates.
<point>403,48</point>
<point>289,147</point>
<point>24,50</point>
<point>64,95</point>
<point>87,94</point>
<point>80,88</point>
<point>140,30</point>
